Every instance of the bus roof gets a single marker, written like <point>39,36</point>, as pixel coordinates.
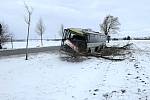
<point>82,32</point>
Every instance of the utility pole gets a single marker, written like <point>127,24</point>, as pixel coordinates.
<point>11,42</point>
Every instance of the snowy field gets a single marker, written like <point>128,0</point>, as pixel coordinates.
<point>49,77</point>
<point>32,44</point>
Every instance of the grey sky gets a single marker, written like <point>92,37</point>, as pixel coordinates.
<point>133,15</point>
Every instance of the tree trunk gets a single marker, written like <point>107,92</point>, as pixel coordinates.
<point>41,40</point>
<point>28,22</point>
<point>27,42</point>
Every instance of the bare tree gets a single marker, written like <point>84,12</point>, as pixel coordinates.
<point>110,25</point>
<point>4,34</point>
<point>29,10</point>
<point>40,29</point>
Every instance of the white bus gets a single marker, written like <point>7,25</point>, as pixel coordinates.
<point>82,40</point>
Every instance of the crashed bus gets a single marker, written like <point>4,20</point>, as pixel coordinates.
<point>77,40</point>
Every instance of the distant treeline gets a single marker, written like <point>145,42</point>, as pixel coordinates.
<point>130,38</point>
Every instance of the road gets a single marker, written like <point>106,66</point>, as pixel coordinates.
<point>30,50</point>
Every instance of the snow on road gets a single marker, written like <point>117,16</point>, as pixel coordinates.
<point>48,77</point>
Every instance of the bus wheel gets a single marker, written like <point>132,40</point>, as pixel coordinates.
<point>96,49</point>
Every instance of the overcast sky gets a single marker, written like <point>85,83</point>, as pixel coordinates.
<point>134,15</point>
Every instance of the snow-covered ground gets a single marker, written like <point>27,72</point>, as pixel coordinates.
<point>49,77</point>
<point>32,44</point>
